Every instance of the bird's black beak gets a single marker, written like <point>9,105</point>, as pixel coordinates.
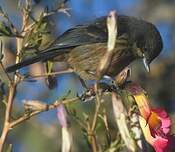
<point>146,64</point>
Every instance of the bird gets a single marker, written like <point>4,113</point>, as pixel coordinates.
<point>84,45</point>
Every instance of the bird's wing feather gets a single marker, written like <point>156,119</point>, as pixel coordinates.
<point>40,57</point>
<point>93,32</point>
<point>79,35</point>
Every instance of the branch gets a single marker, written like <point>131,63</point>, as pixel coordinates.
<point>11,25</point>
<point>60,9</point>
<point>38,107</point>
<point>47,74</point>
<point>11,91</point>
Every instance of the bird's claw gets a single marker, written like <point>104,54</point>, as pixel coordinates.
<point>112,85</point>
<point>87,95</point>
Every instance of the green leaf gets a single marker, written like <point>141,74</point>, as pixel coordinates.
<point>5,30</point>
<point>33,38</point>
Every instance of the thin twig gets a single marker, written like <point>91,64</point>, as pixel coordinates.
<point>49,74</point>
<point>11,94</point>
<point>9,105</point>
<point>104,118</point>
<point>62,10</point>
<point>44,108</point>
<point>5,73</point>
<point>15,31</point>
<point>91,128</point>
<point>97,107</point>
<point>2,68</point>
<point>6,126</point>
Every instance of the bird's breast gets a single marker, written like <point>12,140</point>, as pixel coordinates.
<point>85,59</point>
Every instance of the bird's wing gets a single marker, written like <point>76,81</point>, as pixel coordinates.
<point>93,32</point>
<point>39,57</point>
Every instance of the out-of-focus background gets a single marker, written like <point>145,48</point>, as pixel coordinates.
<point>42,133</point>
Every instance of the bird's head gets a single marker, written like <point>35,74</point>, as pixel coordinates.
<point>152,45</point>
<point>146,36</point>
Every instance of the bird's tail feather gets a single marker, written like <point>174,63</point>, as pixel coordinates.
<point>39,57</point>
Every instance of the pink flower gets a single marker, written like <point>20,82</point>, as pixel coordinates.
<point>158,142</point>
<point>155,123</point>
<point>62,116</point>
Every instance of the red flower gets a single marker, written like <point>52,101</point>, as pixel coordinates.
<point>155,123</point>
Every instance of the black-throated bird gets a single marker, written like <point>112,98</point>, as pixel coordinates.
<point>83,46</point>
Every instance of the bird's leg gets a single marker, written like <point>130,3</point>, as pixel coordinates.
<point>111,82</point>
<point>89,93</point>
<point>83,83</point>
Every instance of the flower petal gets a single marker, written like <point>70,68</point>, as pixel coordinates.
<point>165,119</point>
<point>143,105</point>
<point>154,121</point>
<point>159,143</point>
<point>62,116</point>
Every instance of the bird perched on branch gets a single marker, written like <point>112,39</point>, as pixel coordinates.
<point>84,45</point>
